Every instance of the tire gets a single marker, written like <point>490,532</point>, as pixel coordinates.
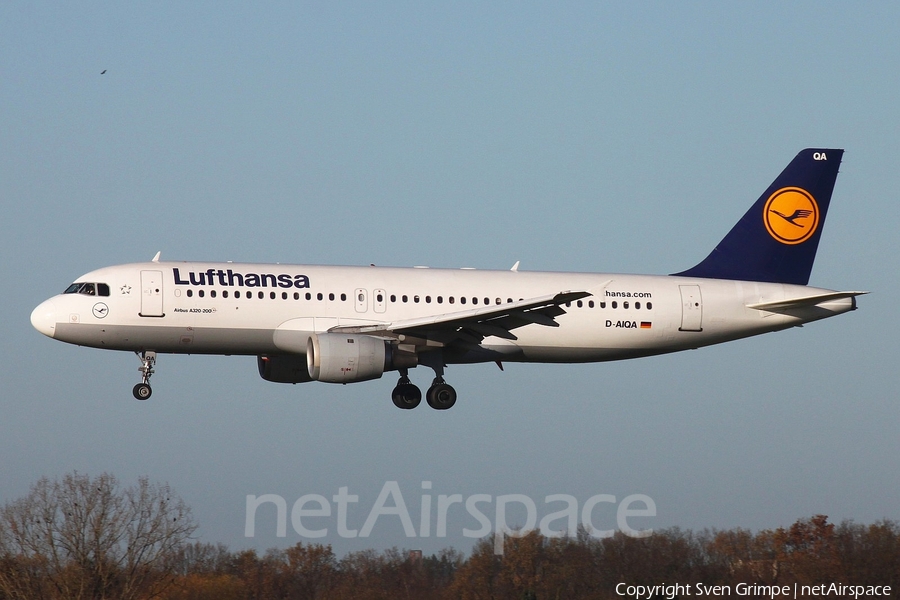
<point>441,396</point>
<point>142,391</point>
<point>406,396</point>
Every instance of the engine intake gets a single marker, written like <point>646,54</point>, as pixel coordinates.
<point>341,358</point>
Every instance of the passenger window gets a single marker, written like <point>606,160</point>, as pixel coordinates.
<point>615,304</point>
<point>474,300</point>
<point>319,296</point>
<point>212,294</point>
<point>416,298</point>
<point>625,304</point>
<point>637,305</point>
<point>462,300</point>
<point>603,305</point>
<point>393,298</point>
<point>440,299</point>
<point>450,300</point>
<point>271,295</point>
<point>404,298</point>
<point>427,299</point>
<point>343,297</point>
<point>284,295</point>
<point>331,297</point>
<point>190,293</point>
<point>649,305</point>
<point>261,295</point>
<point>200,293</point>
<point>378,298</point>
<point>579,304</point>
<point>296,295</point>
<point>590,304</point>
<point>225,294</point>
<point>308,296</point>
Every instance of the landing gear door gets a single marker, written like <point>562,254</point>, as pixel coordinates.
<point>151,294</point>
<point>691,308</point>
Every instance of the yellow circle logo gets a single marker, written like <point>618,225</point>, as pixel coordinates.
<point>791,215</point>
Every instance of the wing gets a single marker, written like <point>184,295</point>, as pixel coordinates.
<point>470,327</point>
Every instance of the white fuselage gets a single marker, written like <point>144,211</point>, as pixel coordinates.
<point>231,308</point>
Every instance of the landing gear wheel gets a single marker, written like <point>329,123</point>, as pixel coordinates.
<point>440,395</point>
<point>142,391</point>
<point>406,395</point>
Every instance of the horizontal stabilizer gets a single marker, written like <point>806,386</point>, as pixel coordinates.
<point>804,301</point>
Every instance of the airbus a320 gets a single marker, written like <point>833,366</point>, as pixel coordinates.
<point>344,324</point>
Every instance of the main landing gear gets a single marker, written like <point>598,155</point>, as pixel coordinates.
<point>142,390</point>
<point>440,396</point>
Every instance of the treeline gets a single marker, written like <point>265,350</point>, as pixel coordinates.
<point>812,551</point>
<point>80,537</point>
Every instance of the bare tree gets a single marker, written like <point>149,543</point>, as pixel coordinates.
<point>89,538</point>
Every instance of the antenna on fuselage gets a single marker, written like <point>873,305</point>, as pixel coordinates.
<point>156,258</point>
<point>515,267</point>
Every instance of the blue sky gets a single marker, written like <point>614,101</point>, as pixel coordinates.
<point>619,137</point>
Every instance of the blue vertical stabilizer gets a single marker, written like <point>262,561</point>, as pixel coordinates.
<point>776,240</point>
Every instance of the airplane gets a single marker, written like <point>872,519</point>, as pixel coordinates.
<point>346,324</point>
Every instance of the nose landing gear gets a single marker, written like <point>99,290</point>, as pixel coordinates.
<point>142,390</point>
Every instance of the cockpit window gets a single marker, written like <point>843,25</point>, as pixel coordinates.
<point>88,289</point>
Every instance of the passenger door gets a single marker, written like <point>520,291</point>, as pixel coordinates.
<point>691,308</point>
<point>151,294</point>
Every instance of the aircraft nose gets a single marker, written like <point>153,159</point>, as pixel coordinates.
<point>43,318</point>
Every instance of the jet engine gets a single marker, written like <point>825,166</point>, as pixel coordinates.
<point>342,358</point>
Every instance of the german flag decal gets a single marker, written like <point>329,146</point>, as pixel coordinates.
<point>646,324</point>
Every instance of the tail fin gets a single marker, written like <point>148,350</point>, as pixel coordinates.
<point>777,238</point>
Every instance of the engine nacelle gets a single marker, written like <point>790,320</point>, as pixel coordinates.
<point>342,358</point>
<point>283,368</point>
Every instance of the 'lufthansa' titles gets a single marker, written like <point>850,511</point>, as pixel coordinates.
<point>229,278</point>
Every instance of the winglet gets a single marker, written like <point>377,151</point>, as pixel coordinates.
<point>515,267</point>
<point>156,258</point>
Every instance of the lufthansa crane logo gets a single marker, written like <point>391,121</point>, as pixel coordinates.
<point>791,215</point>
